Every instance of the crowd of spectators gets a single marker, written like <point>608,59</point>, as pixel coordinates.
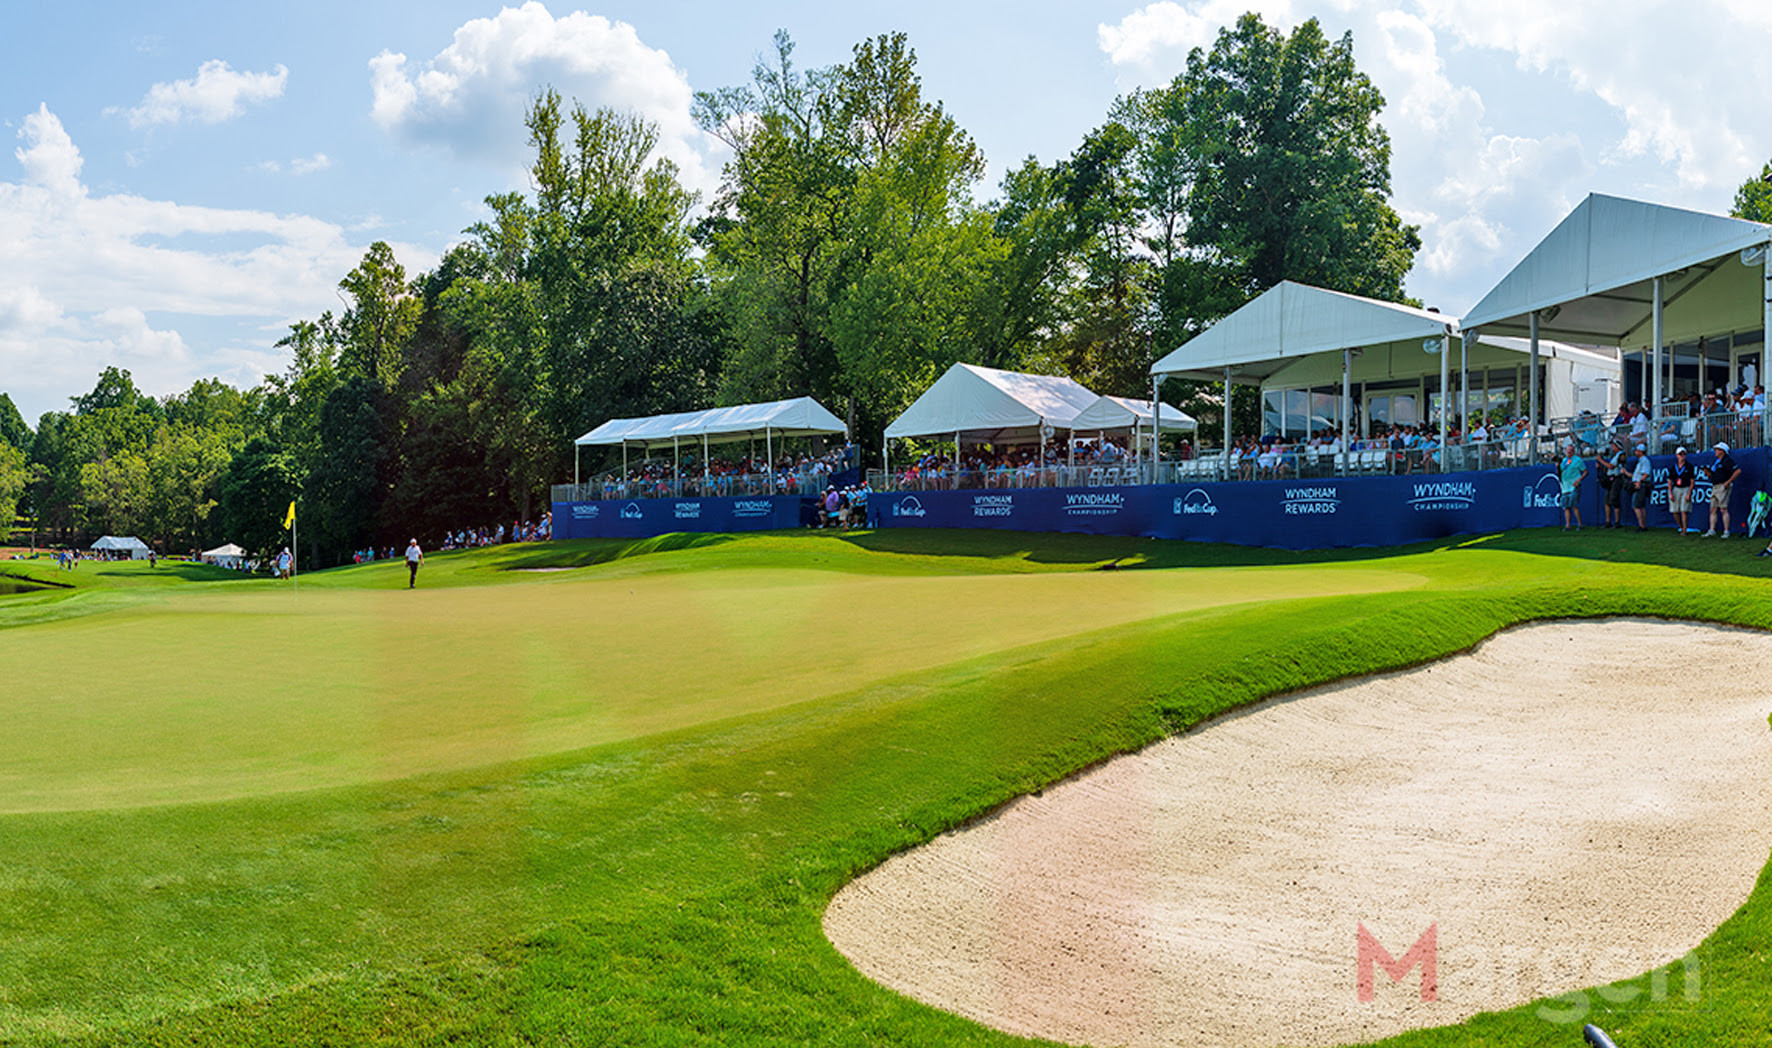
<point>787,474</point>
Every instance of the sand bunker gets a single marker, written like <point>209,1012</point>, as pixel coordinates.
<point>1569,805</point>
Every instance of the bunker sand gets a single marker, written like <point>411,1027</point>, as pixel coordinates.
<point>1569,805</point>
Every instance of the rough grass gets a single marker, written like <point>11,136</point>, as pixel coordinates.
<point>666,887</point>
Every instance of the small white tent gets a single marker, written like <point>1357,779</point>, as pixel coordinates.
<point>122,547</point>
<point>228,556</point>
<point>1117,413</point>
<point>991,405</point>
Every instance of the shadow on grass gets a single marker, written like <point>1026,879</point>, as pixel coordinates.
<point>583,553</point>
<point>1661,547</point>
<point>1120,552</point>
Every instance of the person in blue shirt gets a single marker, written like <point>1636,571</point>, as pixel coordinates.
<point>1680,476</point>
<point>1569,473</point>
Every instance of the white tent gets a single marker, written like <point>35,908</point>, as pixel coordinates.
<point>228,556</point>
<point>991,405</point>
<point>799,417</point>
<point>1118,413</point>
<point>136,548</point>
<point>1630,274</point>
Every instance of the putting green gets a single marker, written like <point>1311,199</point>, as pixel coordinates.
<point>212,695</point>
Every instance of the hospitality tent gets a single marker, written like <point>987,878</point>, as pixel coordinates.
<point>798,417</point>
<point>228,556</point>
<point>134,547</point>
<point>1630,274</point>
<point>992,406</point>
<point>1135,416</point>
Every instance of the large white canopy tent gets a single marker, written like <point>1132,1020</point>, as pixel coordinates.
<point>798,417</point>
<point>1292,324</point>
<point>1626,273</point>
<point>992,406</point>
<point>136,548</point>
<point>226,556</point>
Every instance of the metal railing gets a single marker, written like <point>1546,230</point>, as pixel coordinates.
<point>730,485</point>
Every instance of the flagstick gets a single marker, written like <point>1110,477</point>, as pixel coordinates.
<point>294,555</point>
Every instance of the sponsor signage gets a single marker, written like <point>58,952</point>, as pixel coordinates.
<point>1197,501</point>
<point>688,510</point>
<point>1543,494</point>
<point>752,508</point>
<point>1093,503</point>
<point>1442,494</point>
<point>584,510</point>
<point>1318,498</point>
<point>992,505</point>
<point>909,506</point>
<point>631,511</point>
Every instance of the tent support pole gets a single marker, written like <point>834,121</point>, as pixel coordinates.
<point>706,473</point>
<point>957,460</point>
<point>1346,402</point>
<point>624,469</point>
<point>1225,455</point>
<point>1156,429</point>
<point>575,480</point>
<point>769,450</point>
<point>1445,395</point>
<point>1765,425</point>
<point>1655,410</point>
<point>1464,388</point>
<point>1532,397</point>
<point>676,468</point>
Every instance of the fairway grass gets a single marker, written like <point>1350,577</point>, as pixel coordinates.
<point>540,808</point>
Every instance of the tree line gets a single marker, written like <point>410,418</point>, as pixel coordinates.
<point>847,255</point>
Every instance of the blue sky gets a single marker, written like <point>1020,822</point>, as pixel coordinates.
<point>185,180</point>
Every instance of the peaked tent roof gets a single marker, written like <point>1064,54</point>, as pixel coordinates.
<point>994,404</point>
<point>801,416</point>
<point>1591,279</point>
<point>1125,413</point>
<point>129,542</point>
<point>229,550</point>
<point>1291,320</point>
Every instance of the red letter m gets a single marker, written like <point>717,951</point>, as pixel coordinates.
<point>1425,952</point>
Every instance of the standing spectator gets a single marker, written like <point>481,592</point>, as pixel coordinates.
<point>414,557</point>
<point>1610,464</point>
<point>1679,489</point>
<point>1569,474</point>
<point>1723,472</point>
<point>1640,479</point>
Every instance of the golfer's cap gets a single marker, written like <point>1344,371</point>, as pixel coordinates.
<point>1681,450</point>
<point>1720,446</point>
<point>1642,447</point>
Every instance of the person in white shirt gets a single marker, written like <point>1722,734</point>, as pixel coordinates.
<point>414,557</point>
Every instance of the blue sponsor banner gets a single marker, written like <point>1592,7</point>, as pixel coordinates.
<point>644,518</point>
<point>1305,514</point>
<point>1753,463</point>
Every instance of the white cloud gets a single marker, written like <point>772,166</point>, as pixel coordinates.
<point>91,279</point>
<point>215,94</point>
<point>471,96</point>
<point>309,165</point>
<point>1504,115</point>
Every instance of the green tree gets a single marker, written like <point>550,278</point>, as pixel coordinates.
<point>15,477</point>
<point>255,492</point>
<point>13,430</point>
<point>1753,201</point>
<point>347,488</point>
<point>375,330</point>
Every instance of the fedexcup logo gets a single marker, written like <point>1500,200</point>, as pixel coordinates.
<point>1444,494</point>
<point>688,511</point>
<point>1322,499</point>
<point>1195,501</point>
<point>909,507</point>
<point>752,508</point>
<point>631,511</point>
<point>584,511</point>
<point>1093,504</point>
<point>1543,494</point>
<point>992,505</point>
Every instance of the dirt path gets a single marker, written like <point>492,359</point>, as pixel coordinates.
<point>1568,805</point>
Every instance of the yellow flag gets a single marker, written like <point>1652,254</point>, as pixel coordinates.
<point>289,518</point>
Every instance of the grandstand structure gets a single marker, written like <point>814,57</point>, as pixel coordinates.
<point>1624,301</point>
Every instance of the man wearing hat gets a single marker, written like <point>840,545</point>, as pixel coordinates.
<point>1640,478</point>
<point>1610,463</point>
<point>1723,472</point>
<point>1679,489</point>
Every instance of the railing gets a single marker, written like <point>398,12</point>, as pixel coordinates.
<point>739,485</point>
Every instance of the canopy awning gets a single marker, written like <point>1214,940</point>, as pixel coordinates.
<point>1592,278</point>
<point>229,550</point>
<point>1126,413</point>
<point>801,416</point>
<point>989,405</point>
<point>115,542</point>
<point>1290,321</point>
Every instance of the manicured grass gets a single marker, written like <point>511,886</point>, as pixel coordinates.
<point>462,874</point>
